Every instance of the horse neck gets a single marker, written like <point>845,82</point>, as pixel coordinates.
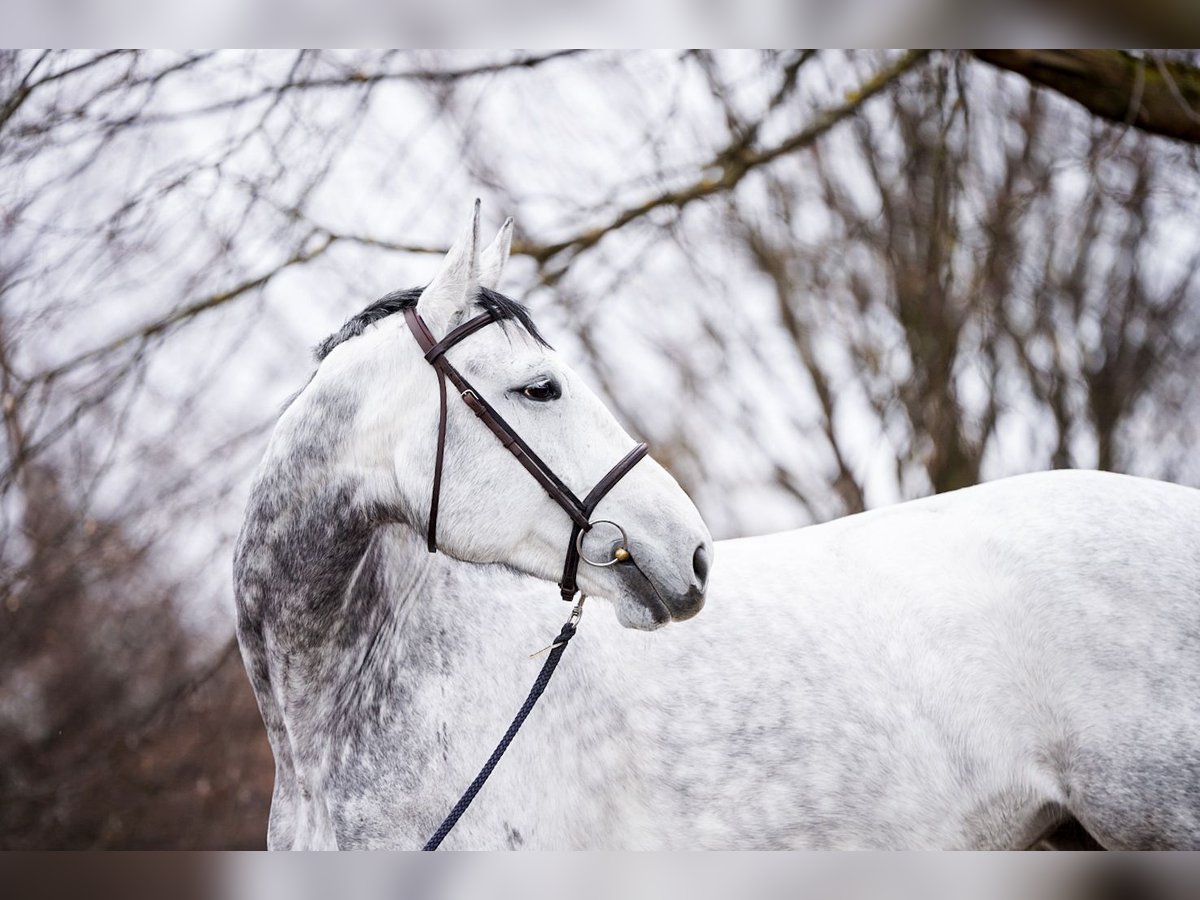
<point>324,487</point>
<point>328,547</point>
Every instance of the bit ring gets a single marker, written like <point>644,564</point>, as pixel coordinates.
<point>620,554</point>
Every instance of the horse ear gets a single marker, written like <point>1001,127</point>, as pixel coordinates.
<point>492,260</point>
<point>456,282</point>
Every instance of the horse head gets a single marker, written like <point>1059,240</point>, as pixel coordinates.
<point>489,509</point>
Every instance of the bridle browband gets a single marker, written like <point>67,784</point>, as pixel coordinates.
<point>579,511</point>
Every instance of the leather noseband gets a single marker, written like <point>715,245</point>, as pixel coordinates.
<point>579,511</point>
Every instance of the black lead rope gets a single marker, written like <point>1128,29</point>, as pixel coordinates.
<point>556,652</point>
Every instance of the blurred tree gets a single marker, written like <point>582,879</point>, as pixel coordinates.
<point>961,284</point>
<point>885,273</point>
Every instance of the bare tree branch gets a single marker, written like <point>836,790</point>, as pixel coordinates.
<point>191,310</point>
<point>735,161</point>
<point>357,79</point>
<point>1115,85</point>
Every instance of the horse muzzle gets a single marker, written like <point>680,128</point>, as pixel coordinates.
<point>672,594</point>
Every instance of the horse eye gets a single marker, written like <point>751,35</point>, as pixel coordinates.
<point>542,391</point>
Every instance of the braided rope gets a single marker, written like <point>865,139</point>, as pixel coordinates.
<point>556,652</point>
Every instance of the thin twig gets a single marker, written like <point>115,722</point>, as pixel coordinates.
<point>734,166</point>
<point>184,313</point>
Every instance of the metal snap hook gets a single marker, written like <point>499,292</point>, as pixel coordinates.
<point>620,554</point>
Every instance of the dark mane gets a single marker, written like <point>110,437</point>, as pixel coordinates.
<point>502,307</point>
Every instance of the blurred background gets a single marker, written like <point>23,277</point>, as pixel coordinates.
<point>881,274</point>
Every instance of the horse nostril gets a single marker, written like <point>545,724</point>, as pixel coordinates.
<point>700,565</point>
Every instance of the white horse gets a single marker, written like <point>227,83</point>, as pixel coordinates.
<point>968,670</point>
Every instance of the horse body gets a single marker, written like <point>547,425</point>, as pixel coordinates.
<point>960,671</point>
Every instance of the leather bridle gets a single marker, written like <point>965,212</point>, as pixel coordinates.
<point>579,511</point>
